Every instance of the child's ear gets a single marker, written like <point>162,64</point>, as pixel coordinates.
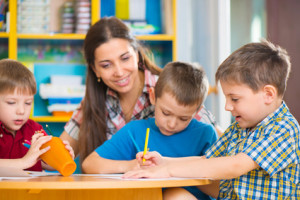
<point>270,93</point>
<point>152,95</point>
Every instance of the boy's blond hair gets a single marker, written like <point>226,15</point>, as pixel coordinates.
<point>257,64</point>
<point>14,75</point>
<point>186,82</point>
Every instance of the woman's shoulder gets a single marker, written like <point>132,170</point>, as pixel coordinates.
<point>150,78</point>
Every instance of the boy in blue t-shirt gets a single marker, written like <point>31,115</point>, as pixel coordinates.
<point>258,156</point>
<point>179,93</point>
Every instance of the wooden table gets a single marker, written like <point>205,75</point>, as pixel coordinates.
<point>88,188</point>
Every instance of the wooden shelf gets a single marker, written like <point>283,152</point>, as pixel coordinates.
<point>158,37</point>
<point>50,118</point>
<point>62,36</point>
<point>59,36</point>
<point>3,35</point>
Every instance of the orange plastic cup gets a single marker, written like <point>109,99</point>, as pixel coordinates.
<point>58,157</point>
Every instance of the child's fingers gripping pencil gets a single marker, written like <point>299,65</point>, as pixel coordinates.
<point>146,144</point>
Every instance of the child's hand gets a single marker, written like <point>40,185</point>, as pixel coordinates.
<point>160,171</point>
<point>34,152</point>
<point>69,148</point>
<point>152,158</point>
<point>36,136</point>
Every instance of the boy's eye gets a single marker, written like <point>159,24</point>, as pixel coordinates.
<point>234,100</point>
<point>28,103</point>
<point>10,102</point>
<point>184,119</point>
<point>165,113</point>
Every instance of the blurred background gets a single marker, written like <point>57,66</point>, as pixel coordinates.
<point>47,36</point>
<point>209,30</point>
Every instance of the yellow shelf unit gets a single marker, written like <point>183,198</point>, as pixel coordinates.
<point>4,35</point>
<point>13,38</point>
<point>50,119</point>
<point>56,36</point>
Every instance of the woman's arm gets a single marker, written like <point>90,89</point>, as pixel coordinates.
<point>94,164</point>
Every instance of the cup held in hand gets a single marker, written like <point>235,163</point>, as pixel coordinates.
<point>58,157</point>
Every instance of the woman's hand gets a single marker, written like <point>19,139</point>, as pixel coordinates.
<point>69,148</point>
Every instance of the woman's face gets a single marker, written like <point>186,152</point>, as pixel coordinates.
<point>116,63</point>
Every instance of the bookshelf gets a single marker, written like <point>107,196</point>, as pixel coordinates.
<point>166,43</point>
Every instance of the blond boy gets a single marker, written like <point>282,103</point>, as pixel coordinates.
<point>17,88</point>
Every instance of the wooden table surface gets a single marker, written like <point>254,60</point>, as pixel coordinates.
<point>89,187</point>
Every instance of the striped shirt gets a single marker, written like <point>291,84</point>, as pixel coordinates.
<point>116,119</point>
<point>274,145</point>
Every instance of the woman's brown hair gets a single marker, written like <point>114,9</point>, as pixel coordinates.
<point>93,128</point>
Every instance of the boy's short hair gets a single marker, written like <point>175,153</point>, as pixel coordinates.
<point>186,82</point>
<point>257,64</point>
<point>14,75</point>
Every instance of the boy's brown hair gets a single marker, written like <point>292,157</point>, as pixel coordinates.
<point>257,64</point>
<point>14,75</point>
<point>186,82</point>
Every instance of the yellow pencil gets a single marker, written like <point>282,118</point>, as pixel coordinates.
<point>146,144</point>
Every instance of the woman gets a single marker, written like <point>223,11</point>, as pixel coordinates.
<point>117,87</point>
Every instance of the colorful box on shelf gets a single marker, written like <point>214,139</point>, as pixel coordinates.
<point>61,91</point>
<point>62,99</point>
<point>62,109</point>
<point>63,106</point>
<point>70,100</point>
<point>62,114</point>
<point>66,80</point>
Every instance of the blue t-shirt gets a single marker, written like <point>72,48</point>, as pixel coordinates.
<point>194,140</point>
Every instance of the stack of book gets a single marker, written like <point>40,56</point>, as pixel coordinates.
<point>83,16</point>
<point>33,16</point>
<point>68,18</point>
<point>142,16</point>
<point>3,7</point>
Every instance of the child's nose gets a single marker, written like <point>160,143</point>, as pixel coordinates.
<point>172,123</point>
<point>20,109</point>
<point>228,107</point>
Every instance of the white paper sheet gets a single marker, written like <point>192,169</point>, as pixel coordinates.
<point>16,173</point>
